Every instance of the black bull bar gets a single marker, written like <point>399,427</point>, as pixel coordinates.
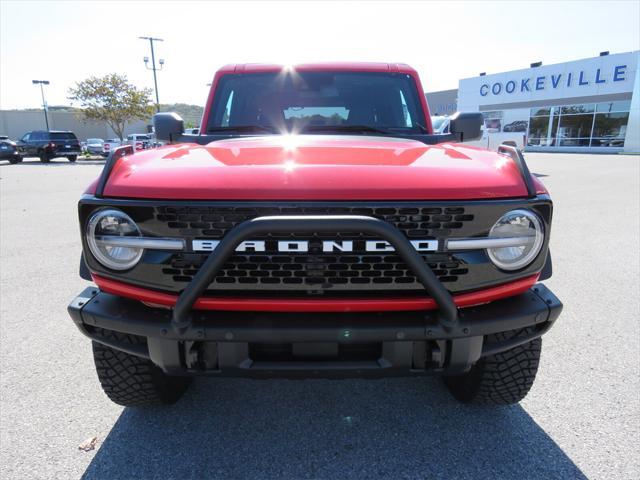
<point>447,310</point>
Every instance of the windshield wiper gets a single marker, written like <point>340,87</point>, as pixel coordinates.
<point>343,128</point>
<point>243,129</point>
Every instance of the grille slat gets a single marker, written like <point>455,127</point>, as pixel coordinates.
<point>333,270</point>
<point>214,222</point>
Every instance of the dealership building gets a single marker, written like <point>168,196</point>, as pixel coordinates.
<point>589,105</point>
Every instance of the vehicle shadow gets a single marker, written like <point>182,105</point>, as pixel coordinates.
<point>391,428</point>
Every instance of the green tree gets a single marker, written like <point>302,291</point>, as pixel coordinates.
<point>112,99</point>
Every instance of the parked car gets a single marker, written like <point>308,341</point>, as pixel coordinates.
<point>191,131</point>
<point>95,146</point>
<point>358,247</point>
<point>47,145</point>
<point>9,150</point>
<point>140,141</point>
<point>110,144</point>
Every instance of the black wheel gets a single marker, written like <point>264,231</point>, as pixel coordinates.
<point>44,158</point>
<point>13,161</point>
<point>501,379</point>
<point>72,158</point>
<point>134,381</point>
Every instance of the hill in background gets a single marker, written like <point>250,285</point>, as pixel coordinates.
<point>191,114</point>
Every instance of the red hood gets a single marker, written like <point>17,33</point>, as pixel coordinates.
<point>316,167</point>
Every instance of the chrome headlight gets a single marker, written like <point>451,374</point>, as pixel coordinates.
<point>107,234</point>
<point>525,232</point>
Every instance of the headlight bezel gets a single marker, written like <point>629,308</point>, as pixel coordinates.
<point>527,258</point>
<point>98,251</point>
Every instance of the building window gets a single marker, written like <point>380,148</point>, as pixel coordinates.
<point>539,126</point>
<point>581,125</point>
<point>609,129</point>
<point>608,107</point>
<point>540,112</point>
<point>575,109</point>
<point>574,130</point>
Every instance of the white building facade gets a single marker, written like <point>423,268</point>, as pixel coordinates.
<point>585,105</point>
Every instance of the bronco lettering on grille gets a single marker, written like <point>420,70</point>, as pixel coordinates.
<point>302,246</point>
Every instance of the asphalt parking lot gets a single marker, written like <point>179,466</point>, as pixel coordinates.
<point>581,419</point>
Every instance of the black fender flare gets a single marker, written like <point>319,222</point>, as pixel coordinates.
<point>547,270</point>
<point>85,274</point>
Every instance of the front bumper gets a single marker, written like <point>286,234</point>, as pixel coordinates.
<point>96,151</point>
<point>263,344</point>
<point>9,155</point>
<point>64,153</point>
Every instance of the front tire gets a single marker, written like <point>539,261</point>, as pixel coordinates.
<point>501,379</point>
<point>15,160</point>
<point>72,158</point>
<point>133,381</point>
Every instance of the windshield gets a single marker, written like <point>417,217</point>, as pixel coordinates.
<point>95,140</point>
<point>317,102</point>
<point>62,136</point>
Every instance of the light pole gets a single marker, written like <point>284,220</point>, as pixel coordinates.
<point>153,66</point>
<point>44,104</point>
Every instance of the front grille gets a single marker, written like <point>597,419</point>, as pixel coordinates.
<point>214,222</point>
<point>314,271</point>
<point>334,274</point>
<point>319,271</point>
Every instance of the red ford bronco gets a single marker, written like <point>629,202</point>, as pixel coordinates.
<point>316,227</point>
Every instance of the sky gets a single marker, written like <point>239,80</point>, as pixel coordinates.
<point>68,41</point>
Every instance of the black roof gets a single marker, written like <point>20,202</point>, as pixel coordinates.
<point>50,131</point>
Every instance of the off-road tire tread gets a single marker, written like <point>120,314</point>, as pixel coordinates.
<point>133,381</point>
<point>501,379</point>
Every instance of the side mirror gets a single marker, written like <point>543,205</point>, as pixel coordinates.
<point>168,126</point>
<point>466,126</point>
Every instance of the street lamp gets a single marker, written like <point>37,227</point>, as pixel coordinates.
<point>44,104</point>
<point>153,66</point>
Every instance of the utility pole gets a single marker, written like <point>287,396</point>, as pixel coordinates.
<point>44,104</point>
<point>153,66</point>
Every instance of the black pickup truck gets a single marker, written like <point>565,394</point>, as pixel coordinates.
<point>48,145</point>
